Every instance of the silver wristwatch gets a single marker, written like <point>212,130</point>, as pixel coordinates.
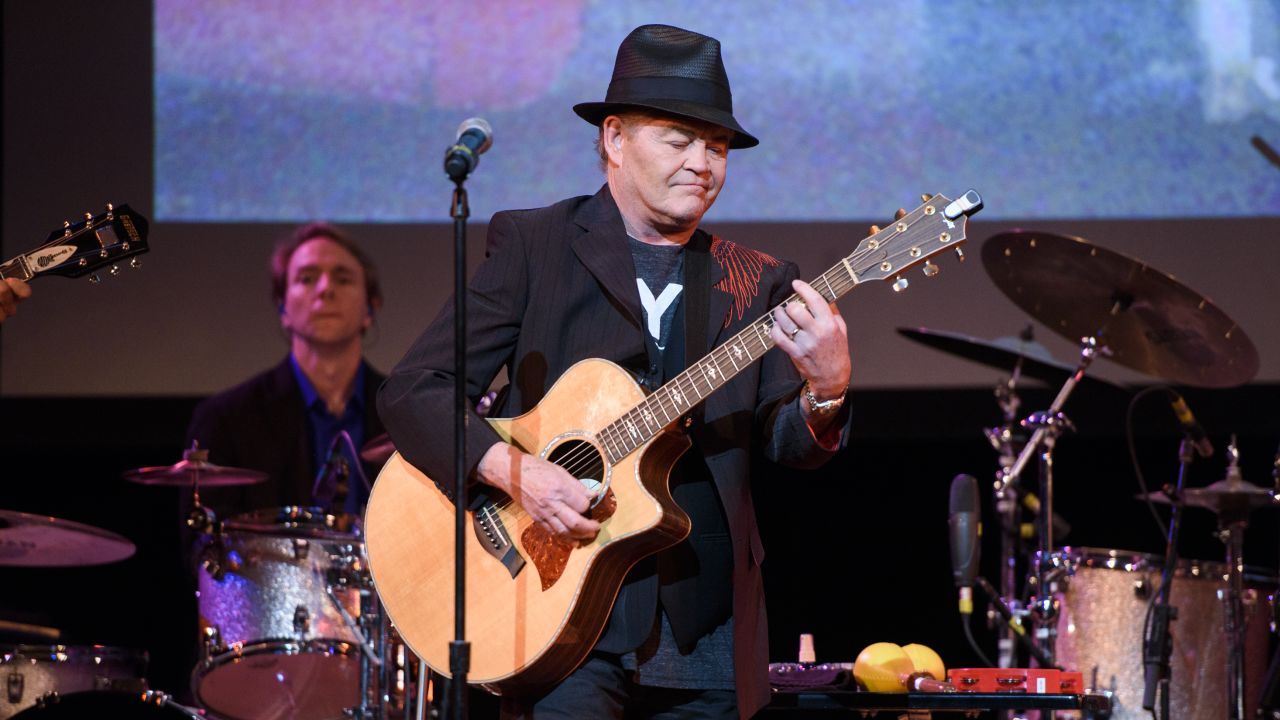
<point>823,407</point>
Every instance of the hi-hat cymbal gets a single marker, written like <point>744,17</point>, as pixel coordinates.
<point>1151,322</point>
<point>1229,495</point>
<point>194,466</point>
<point>378,450</point>
<point>1002,353</point>
<point>41,541</point>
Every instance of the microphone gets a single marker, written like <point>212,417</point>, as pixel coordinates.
<point>474,137</point>
<point>1195,433</point>
<point>965,526</point>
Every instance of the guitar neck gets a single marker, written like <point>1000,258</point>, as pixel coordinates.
<point>935,226</point>
<point>683,392</point>
<point>15,268</point>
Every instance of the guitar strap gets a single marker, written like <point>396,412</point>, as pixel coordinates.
<point>697,276</point>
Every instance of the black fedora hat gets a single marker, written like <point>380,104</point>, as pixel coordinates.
<point>673,70</point>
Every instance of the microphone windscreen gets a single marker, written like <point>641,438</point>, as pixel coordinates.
<point>964,494</point>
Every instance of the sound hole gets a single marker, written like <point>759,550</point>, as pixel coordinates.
<point>583,461</point>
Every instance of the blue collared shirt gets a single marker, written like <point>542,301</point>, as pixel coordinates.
<point>324,426</point>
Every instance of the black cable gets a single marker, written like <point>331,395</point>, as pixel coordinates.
<point>973,643</point>
<point>1133,453</point>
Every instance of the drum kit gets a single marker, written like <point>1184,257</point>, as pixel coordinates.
<point>290,625</point>
<point>1100,611</point>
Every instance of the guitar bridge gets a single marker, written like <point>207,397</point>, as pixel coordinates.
<point>493,537</point>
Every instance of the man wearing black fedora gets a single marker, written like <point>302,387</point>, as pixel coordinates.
<point>627,275</point>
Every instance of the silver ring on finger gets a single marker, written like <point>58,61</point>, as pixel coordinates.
<point>793,333</point>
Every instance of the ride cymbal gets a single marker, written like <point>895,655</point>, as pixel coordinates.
<point>1149,321</point>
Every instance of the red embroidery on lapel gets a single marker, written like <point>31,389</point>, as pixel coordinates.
<point>742,269</point>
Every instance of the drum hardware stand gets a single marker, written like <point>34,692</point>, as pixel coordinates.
<point>1013,623</point>
<point>1269,699</point>
<point>1157,644</point>
<point>1048,426</point>
<point>1006,504</point>
<point>1233,518</point>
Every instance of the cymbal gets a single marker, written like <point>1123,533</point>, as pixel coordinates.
<point>378,450</point>
<point>41,541</point>
<point>192,466</point>
<point>1002,353</point>
<point>1231,494</point>
<point>1151,322</point>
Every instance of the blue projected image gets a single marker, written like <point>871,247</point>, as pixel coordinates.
<point>292,110</point>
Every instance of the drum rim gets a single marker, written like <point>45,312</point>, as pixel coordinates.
<point>1135,561</point>
<point>157,698</point>
<point>297,521</point>
<point>45,653</point>
<point>264,647</point>
<point>275,646</point>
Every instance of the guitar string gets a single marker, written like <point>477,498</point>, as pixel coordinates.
<point>585,457</point>
<point>687,379</point>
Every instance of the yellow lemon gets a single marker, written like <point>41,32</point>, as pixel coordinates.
<point>883,667</point>
<point>926,661</point>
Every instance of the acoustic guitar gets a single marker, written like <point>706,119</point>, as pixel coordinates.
<point>536,604</point>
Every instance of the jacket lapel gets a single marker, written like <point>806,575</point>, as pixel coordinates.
<point>602,248</point>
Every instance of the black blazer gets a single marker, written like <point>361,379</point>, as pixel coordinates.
<point>559,285</point>
<point>261,424</point>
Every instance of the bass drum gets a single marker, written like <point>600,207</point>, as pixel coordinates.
<point>32,672</point>
<point>274,589</point>
<point>1104,602</point>
<point>106,704</point>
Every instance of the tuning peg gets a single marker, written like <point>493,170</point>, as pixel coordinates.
<point>900,284</point>
<point>960,254</point>
<point>94,279</point>
<point>111,211</point>
<point>135,263</point>
<point>88,217</point>
<point>930,270</point>
<point>115,270</point>
<point>925,197</point>
<point>66,228</point>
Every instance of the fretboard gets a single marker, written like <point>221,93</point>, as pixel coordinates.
<point>14,269</point>
<point>936,226</point>
<point>679,395</point>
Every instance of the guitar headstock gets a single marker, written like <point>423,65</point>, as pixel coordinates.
<point>937,226</point>
<point>78,249</point>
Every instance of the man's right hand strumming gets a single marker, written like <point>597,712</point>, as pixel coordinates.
<point>554,499</point>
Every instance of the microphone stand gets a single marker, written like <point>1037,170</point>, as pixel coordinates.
<point>459,649</point>
<point>1006,504</point>
<point>1157,645</point>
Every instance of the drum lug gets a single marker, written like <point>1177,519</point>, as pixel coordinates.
<point>1141,589</point>
<point>212,639</point>
<point>300,549</point>
<point>16,686</point>
<point>301,620</point>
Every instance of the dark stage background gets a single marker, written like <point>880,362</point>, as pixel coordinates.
<point>97,381</point>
